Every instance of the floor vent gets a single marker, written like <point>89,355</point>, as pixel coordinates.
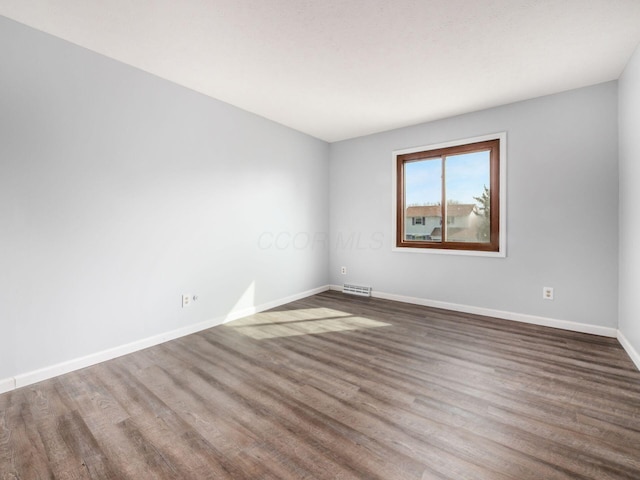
<point>356,290</point>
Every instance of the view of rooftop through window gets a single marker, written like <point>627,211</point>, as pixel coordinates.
<point>466,194</point>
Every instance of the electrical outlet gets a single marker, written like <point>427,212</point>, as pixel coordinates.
<point>186,300</point>
<point>343,270</point>
<point>547,293</point>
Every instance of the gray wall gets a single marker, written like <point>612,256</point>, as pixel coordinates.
<point>629,125</point>
<point>119,191</point>
<point>562,203</point>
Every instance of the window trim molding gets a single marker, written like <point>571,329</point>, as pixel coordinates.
<point>502,242</point>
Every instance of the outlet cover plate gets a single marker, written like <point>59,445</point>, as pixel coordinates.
<point>186,300</point>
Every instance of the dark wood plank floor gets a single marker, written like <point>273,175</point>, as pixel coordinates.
<point>337,387</point>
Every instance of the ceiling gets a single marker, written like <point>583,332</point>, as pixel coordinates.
<point>339,69</point>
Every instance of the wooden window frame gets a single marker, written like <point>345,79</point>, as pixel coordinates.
<point>492,145</point>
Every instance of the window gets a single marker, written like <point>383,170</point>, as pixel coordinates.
<point>459,182</point>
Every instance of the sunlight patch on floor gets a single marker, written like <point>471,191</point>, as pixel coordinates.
<point>285,316</point>
<point>301,322</point>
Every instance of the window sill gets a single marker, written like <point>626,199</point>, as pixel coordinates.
<point>444,251</point>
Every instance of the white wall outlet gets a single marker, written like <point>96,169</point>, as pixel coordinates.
<point>547,293</point>
<point>343,270</point>
<point>186,300</point>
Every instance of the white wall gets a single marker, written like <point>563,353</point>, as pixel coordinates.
<point>119,191</point>
<point>561,214</point>
<point>629,126</point>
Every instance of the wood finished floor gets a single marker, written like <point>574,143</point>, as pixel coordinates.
<point>337,387</point>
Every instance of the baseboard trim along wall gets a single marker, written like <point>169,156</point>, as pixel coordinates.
<point>7,384</point>
<point>632,352</point>
<point>35,376</point>
<point>518,317</point>
<point>45,373</point>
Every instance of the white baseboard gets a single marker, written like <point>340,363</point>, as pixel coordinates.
<point>489,312</point>
<point>632,352</point>
<point>95,358</point>
<point>35,376</point>
<point>7,384</point>
<point>276,303</point>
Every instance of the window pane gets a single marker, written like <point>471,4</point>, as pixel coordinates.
<point>423,200</point>
<point>448,197</point>
<point>467,182</point>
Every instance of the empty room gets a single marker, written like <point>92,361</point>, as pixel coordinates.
<point>340,239</point>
